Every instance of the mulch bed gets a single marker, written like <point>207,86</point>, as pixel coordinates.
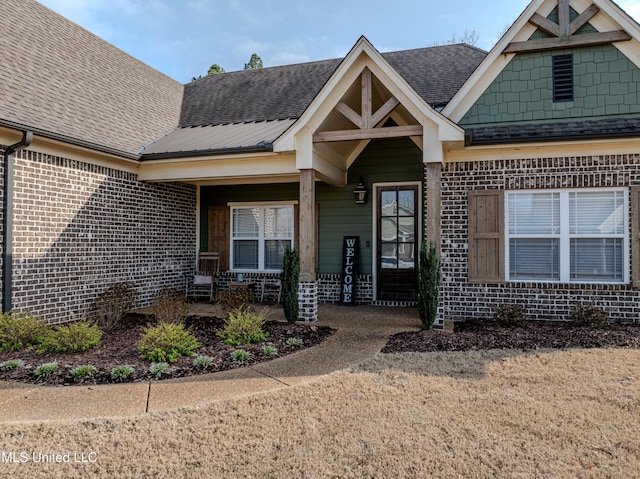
<point>486,334</point>
<point>119,347</point>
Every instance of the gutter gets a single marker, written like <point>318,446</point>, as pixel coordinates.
<point>7,209</point>
<point>261,148</point>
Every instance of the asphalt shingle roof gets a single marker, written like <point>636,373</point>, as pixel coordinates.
<point>60,78</point>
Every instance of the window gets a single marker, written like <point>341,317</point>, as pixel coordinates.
<point>259,236</point>
<point>562,78</point>
<point>567,236</point>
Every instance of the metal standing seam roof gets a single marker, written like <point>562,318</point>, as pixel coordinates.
<point>230,137</point>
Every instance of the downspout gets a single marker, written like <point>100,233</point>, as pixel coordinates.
<point>7,249</point>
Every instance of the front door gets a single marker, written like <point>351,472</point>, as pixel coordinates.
<point>397,245</point>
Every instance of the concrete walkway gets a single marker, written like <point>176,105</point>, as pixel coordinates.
<point>361,332</point>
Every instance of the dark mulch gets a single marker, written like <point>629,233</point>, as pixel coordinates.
<point>485,334</point>
<point>119,347</point>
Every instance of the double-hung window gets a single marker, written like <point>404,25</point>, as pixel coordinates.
<point>567,236</point>
<point>259,236</point>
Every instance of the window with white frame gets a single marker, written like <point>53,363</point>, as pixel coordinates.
<point>259,236</point>
<point>567,236</point>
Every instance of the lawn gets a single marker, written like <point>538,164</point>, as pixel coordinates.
<point>482,414</point>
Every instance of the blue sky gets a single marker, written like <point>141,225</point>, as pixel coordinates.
<point>182,38</point>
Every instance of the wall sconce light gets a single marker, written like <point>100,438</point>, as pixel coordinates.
<point>360,193</point>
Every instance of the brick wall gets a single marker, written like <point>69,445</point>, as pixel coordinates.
<point>79,228</point>
<point>461,300</point>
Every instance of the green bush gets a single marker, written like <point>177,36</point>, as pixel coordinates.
<point>240,356</point>
<point>296,342</point>
<point>80,373</point>
<point>71,338</point>
<point>21,330</point>
<point>114,303</point>
<point>122,373</point>
<point>589,315</point>
<point>45,370</point>
<point>244,326</point>
<point>170,307</point>
<point>428,284</point>
<point>160,369</point>
<point>11,364</point>
<point>167,342</point>
<point>510,315</point>
<point>290,278</point>
<point>269,350</point>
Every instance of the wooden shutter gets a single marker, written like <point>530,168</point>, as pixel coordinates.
<point>219,233</point>
<point>486,236</point>
<point>634,199</point>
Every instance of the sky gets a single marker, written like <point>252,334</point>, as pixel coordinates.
<point>182,38</point>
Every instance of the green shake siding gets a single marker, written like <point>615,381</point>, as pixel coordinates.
<point>605,84</point>
<point>339,216</point>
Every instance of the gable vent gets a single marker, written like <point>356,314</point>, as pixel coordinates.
<point>562,78</point>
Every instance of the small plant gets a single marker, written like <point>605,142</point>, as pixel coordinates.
<point>167,342</point>
<point>45,370</point>
<point>269,350</point>
<point>114,303</point>
<point>510,315</point>
<point>290,278</point>
<point>71,338</point>
<point>296,342</point>
<point>240,356</point>
<point>233,298</point>
<point>243,326</point>
<point>202,362</point>
<point>589,315</point>
<point>160,369</point>
<point>122,373</point>
<point>170,307</point>
<point>80,373</point>
<point>428,284</point>
<point>21,330</point>
<point>12,364</point>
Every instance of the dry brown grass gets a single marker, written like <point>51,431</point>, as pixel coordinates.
<point>497,414</point>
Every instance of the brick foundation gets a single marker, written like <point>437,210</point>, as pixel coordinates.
<point>308,301</point>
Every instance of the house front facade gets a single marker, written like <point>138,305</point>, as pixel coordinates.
<point>520,164</point>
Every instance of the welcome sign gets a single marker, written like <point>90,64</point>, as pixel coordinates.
<point>350,255</point>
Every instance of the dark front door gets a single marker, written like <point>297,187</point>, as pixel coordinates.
<point>397,242</point>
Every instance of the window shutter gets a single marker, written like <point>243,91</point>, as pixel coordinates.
<point>634,199</point>
<point>486,236</point>
<point>219,233</point>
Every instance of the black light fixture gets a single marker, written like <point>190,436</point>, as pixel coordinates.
<point>360,193</point>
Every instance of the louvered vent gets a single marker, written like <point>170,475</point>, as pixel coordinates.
<point>562,78</point>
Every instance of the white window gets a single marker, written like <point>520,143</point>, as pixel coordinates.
<point>567,236</point>
<point>259,236</point>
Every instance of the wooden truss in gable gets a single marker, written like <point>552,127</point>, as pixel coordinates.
<point>562,33</point>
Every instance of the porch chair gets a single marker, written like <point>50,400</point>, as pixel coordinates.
<point>204,282</point>
<point>271,291</point>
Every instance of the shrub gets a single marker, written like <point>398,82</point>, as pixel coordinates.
<point>71,338</point>
<point>510,315</point>
<point>20,330</point>
<point>45,370</point>
<point>122,373</point>
<point>240,355</point>
<point>290,278</point>
<point>11,364</point>
<point>269,350</point>
<point>167,342</point>
<point>114,303</point>
<point>296,342</point>
<point>80,373</point>
<point>233,298</point>
<point>243,326</point>
<point>202,362</point>
<point>160,369</point>
<point>170,307</point>
<point>428,284</point>
<point>589,315</point>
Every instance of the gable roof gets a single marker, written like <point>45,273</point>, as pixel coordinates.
<point>66,83</point>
